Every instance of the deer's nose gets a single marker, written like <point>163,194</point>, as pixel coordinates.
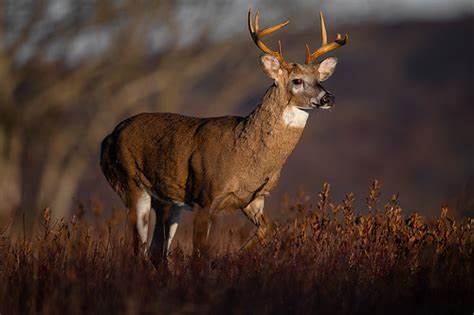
<point>327,99</point>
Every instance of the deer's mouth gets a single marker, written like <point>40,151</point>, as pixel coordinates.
<point>306,108</point>
<point>316,105</point>
<point>325,106</point>
<point>325,102</point>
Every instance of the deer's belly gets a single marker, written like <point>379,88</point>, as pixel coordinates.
<point>245,191</point>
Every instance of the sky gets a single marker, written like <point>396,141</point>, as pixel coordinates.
<point>227,18</point>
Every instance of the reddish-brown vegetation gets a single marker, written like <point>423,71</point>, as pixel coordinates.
<point>327,259</point>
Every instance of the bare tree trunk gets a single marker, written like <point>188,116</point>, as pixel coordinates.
<point>61,201</point>
<point>31,169</point>
<point>59,183</point>
<point>9,171</point>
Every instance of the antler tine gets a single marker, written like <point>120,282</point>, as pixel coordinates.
<point>324,33</point>
<point>257,21</point>
<point>325,47</point>
<point>279,48</point>
<point>272,29</point>
<point>258,34</point>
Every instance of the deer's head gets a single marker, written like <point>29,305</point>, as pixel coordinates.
<point>301,81</point>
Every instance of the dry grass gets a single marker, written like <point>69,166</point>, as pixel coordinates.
<point>327,259</point>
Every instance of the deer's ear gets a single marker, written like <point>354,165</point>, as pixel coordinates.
<point>326,68</point>
<point>271,66</point>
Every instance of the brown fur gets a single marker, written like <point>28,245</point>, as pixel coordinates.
<point>210,163</point>
<point>225,160</point>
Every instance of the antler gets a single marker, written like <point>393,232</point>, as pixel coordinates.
<point>325,47</point>
<point>257,34</point>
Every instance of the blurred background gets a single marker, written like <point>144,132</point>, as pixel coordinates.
<point>71,70</point>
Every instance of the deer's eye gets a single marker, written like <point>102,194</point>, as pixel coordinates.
<point>297,81</point>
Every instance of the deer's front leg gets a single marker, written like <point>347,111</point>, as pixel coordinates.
<point>254,211</point>
<point>202,224</point>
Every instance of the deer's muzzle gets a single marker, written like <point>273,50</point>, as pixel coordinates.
<point>326,101</point>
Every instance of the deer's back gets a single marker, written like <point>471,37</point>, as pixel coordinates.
<point>162,152</point>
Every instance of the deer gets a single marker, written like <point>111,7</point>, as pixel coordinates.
<point>161,164</point>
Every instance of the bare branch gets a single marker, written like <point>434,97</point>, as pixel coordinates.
<point>37,13</point>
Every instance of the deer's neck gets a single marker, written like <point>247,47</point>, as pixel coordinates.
<point>266,119</point>
<point>272,130</point>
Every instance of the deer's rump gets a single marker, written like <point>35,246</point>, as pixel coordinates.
<point>180,158</point>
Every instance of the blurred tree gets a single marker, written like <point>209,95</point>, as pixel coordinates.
<point>54,114</point>
<point>71,70</point>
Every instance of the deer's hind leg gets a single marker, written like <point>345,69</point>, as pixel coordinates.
<point>138,202</point>
<point>167,217</point>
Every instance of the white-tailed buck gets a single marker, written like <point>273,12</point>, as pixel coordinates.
<point>165,162</point>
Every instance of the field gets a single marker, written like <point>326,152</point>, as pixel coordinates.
<point>326,259</point>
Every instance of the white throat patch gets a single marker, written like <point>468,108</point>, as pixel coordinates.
<point>295,117</point>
